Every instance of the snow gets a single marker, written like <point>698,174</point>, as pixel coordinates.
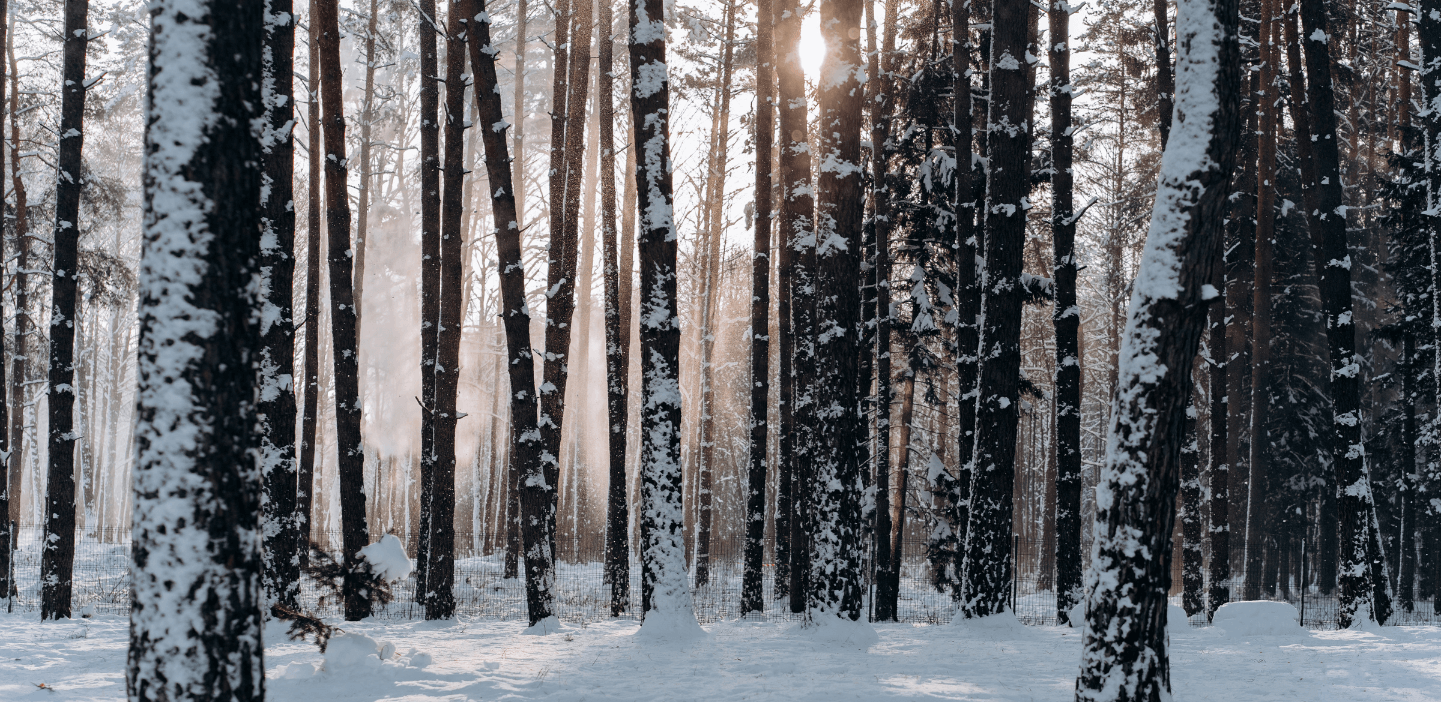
<point>980,660</point>
<point>1248,619</point>
<point>387,558</point>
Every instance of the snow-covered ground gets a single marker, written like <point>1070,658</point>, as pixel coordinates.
<point>473,660</point>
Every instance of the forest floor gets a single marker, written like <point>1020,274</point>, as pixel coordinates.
<point>463,661</point>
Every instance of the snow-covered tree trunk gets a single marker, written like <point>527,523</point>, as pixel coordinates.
<point>537,497</point>
<point>1352,481</point>
<point>429,276</point>
<point>1428,35</point>
<point>1124,654</point>
<point>836,543</point>
<point>310,419</point>
<point>783,45</point>
<point>7,535</point>
<point>797,235</point>
<point>1066,318</point>
<point>1192,578</point>
<point>350,448</point>
<point>58,554</point>
<point>277,327</point>
<point>1219,471</point>
<point>986,569</point>
<point>617,327</point>
<point>195,618</point>
<point>665,592</point>
<point>1165,79</point>
<point>752,594</point>
<point>440,552</point>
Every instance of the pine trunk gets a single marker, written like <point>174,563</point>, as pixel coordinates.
<point>1219,591</point>
<point>195,621</point>
<point>987,565</point>
<point>20,347</point>
<point>517,179</point>
<point>57,556</point>
<point>536,497</point>
<point>1124,654</point>
<point>367,169</point>
<point>1066,318</point>
<point>351,451</point>
<point>276,406</point>
<point>310,419</point>
<point>429,278</point>
<point>7,528</point>
<point>440,572</point>
<point>665,594</point>
<point>1406,544</point>
<point>752,595</point>
<point>1353,489</point>
<point>783,45</point>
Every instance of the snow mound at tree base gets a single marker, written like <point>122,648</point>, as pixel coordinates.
<point>350,651</point>
<point>1176,620</point>
<point>838,630</point>
<point>1246,619</point>
<point>669,627</point>
<point>549,625</point>
<point>996,627</point>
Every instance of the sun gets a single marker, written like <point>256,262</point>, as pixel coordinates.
<point>813,45</point>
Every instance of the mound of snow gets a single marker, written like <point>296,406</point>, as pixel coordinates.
<point>1246,619</point>
<point>1002,626</point>
<point>840,631</point>
<point>665,626</point>
<point>1176,620</point>
<point>1077,614</point>
<point>387,558</point>
<point>351,650</point>
<point>549,625</point>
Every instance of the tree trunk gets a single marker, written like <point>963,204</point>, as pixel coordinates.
<point>1406,544</point>
<point>1165,79</point>
<point>430,258</point>
<point>1124,653</point>
<point>195,621</point>
<point>440,573</point>
<point>796,235</point>
<point>362,214</point>
<point>517,179</point>
<point>1259,533</point>
<point>784,44</point>
<point>276,405</point>
<point>20,367</point>
<point>8,495</point>
<point>310,419</point>
<point>665,594</point>
<point>836,582</point>
<point>1353,487</point>
<point>1066,317</point>
<point>987,565</point>
<point>1192,577</point>
<point>752,595</point>
<point>58,553</point>
<point>1219,592</point>
<point>350,465</point>
<point>536,497</point>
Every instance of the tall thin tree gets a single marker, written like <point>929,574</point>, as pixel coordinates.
<point>196,597</point>
<point>310,418</point>
<point>350,450</point>
<point>1124,654</point>
<point>752,596</point>
<point>429,274</point>
<point>57,556</point>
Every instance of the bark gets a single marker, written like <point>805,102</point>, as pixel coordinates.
<point>617,327</point>
<point>1219,591</point>
<point>987,565</point>
<point>429,277</point>
<point>1192,577</point>
<point>1352,484</point>
<point>1406,544</point>
<point>1301,126</point>
<point>752,595</point>
<point>362,214</point>
<point>1259,532</point>
<point>195,622</point>
<point>797,236</point>
<point>836,583</point>
<point>57,555</point>
<point>665,594</point>
<point>783,44</point>
<point>440,573</point>
<point>568,116</point>
<point>1240,266</point>
<point>309,420</point>
<point>536,497</point>
<point>19,367</point>
<point>1165,79</point>
<point>517,179</point>
<point>887,578</point>
<point>276,405</point>
<point>1066,317</point>
<point>1124,655</point>
<point>7,534</point>
<point>351,451</point>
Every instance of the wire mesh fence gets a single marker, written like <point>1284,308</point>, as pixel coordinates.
<point>101,585</point>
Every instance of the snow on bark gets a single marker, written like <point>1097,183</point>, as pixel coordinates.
<point>665,590</point>
<point>1124,655</point>
<point>752,585</point>
<point>196,591</point>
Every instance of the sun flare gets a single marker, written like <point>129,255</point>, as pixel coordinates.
<point>813,45</point>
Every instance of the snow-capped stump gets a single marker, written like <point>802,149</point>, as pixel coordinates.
<point>1246,619</point>
<point>387,558</point>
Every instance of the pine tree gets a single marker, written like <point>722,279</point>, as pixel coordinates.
<point>310,419</point>
<point>351,463</point>
<point>986,569</point>
<point>752,595</point>
<point>19,366</point>
<point>536,499</point>
<point>277,357</point>
<point>195,627</point>
<point>7,531</point>
<point>1124,654</point>
<point>430,260</point>
<point>665,592</point>
<point>58,554</point>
